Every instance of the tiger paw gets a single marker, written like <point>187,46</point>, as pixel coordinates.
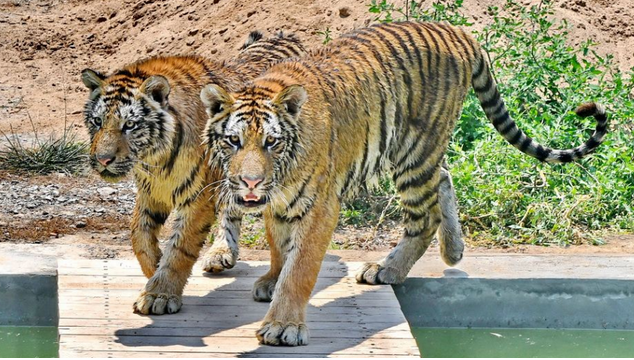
<point>218,260</point>
<point>375,274</point>
<point>263,289</point>
<point>285,334</point>
<point>157,303</point>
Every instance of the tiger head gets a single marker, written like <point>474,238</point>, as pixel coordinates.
<point>252,138</point>
<point>128,121</point>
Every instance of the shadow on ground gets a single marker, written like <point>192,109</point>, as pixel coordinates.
<point>209,320</point>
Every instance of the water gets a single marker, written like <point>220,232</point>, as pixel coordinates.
<point>446,342</point>
<point>28,341</point>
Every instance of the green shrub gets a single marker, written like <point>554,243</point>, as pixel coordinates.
<point>505,196</point>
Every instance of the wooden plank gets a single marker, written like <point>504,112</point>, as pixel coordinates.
<point>357,292</point>
<point>213,311</point>
<point>236,318</point>
<point>170,354</point>
<point>235,346</point>
<point>242,269</point>
<point>244,300</point>
<point>69,281</point>
<point>165,322</point>
<point>246,331</point>
<point>219,317</point>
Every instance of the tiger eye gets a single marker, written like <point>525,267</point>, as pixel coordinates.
<point>129,124</point>
<point>97,121</point>
<point>270,141</point>
<point>235,139</point>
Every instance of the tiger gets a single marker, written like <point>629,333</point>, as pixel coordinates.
<point>308,133</point>
<point>146,119</point>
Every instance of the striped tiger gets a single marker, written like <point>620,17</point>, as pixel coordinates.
<point>146,118</point>
<point>309,132</point>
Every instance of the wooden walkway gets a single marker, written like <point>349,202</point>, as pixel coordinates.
<point>219,317</point>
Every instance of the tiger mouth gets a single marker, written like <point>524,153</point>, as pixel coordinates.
<point>252,201</point>
<point>110,176</point>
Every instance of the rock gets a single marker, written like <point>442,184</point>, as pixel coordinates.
<point>106,191</point>
<point>344,12</point>
<point>80,224</point>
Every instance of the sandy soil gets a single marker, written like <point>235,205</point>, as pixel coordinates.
<point>46,43</point>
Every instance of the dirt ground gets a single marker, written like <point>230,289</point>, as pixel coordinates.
<point>46,43</point>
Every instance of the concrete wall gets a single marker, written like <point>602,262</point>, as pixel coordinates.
<point>518,303</point>
<point>28,290</point>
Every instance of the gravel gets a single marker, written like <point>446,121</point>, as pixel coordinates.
<point>43,198</point>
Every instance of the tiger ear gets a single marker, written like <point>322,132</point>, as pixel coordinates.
<point>158,88</point>
<point>292,98</point>
<point>215,98</point>
<point>92,79</point>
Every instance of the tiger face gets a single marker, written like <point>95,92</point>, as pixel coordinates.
<point>128,121</point>
<point>253,139</point>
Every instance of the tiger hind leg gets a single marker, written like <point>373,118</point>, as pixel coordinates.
<point>422,218</point>
<point>449,233</point>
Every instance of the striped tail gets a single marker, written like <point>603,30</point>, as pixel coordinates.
<point>493,105</point>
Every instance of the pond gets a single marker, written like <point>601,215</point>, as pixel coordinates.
<point>499,342</point>
<point>28,341</point>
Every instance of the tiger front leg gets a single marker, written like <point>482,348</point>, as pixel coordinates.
<point>224,252</point>
<point>278,236</point>
<point>163,292</point>
<point>285,322</point>
<point>147,220</point>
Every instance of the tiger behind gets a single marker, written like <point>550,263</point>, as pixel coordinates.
<point>147,118</point>
<point>309,132</point>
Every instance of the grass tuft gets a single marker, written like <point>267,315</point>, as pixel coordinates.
<point>62,155</point>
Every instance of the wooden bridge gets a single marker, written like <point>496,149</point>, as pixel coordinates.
<point>219,318</point>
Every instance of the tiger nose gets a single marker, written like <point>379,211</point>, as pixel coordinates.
<point>105,159</point>
<point>251,181</point>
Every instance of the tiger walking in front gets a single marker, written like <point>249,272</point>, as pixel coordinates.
<point>147,118</point>
<point>309,132</point>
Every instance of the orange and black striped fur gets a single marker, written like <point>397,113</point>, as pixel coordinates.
<point>147,118</point>
<point>309,132</point>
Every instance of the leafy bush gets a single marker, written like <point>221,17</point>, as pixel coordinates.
<point>505,196</point>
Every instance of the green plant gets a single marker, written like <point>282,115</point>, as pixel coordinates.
<point>505,196</point>
<point>326,34</point>
<point>63,154</point>
<point>415,10</point>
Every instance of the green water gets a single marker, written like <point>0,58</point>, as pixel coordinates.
<point>28,341</point>
<point>445,342</point>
